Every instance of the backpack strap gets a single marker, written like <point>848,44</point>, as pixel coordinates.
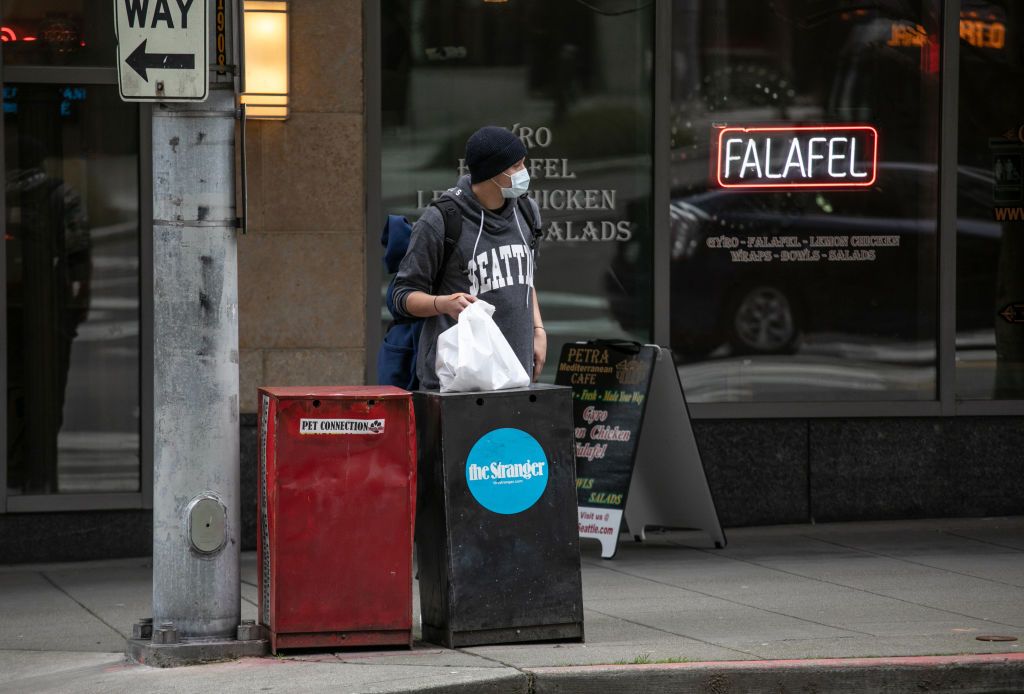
<point>452,231</point>
<point>526,209</point>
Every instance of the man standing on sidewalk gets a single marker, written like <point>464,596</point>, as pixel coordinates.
<point>493,259</point>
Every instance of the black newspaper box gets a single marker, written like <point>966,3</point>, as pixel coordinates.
<point>497,536</point>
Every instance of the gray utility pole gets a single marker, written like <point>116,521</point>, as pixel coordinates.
<point>196,526</point>
<point>195,345</point>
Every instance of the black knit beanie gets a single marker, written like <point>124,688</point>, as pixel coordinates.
<point>491,150</point>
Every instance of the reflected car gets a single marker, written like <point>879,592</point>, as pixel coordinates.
<point>760,271</point>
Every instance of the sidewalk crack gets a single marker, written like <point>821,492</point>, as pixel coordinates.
<point>672,633</point>
<point>737,602</point>
<point>984,542</point>
<point>82,605</point>
<point>911,561</point>
<point>862,590</point>
<point>529,676</point>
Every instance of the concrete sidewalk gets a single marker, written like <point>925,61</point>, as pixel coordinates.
<point>776,608</point>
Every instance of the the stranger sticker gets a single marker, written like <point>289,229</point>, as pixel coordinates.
<point>507,471</point>
<point>366,427</point>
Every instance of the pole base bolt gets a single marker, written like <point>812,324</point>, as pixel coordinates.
<point>165,634</point>
<point>249,630</point>
<point>143,629</point>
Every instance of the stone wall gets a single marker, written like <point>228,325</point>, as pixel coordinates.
<point>764,472</point>
<point>301,266</point>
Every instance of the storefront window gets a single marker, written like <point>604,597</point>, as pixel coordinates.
<point>990,229</point>
<point>72,289</point>
<point>573,80</point>
<point>58,32</point>
<point>804,199</point>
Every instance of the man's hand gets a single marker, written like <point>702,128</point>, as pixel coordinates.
<point>453,304</point>
<point>540,351</point>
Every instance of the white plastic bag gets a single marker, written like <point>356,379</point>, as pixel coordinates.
<point>474,355</point>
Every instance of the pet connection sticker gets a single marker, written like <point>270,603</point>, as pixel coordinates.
<point>507,471</point>
<point>341,426</point>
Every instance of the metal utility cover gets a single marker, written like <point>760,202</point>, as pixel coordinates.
<point>207,525</point>
<point>162,49</point>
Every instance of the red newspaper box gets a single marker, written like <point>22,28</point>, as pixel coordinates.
<point>336,499</point>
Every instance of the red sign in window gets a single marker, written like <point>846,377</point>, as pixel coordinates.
<point>805,156</point>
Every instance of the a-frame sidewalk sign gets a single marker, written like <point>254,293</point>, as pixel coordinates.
<point>636,455</point>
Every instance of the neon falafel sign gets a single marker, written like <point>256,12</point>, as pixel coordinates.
<point>800,157</point>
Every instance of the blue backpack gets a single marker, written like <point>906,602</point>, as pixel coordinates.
<point>396,359</point>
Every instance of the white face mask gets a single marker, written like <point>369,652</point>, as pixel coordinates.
<point>520,184</point>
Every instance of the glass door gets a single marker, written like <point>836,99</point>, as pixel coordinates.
<point>71,262</point>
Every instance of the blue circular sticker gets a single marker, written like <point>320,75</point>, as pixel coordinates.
<point>507,471</point>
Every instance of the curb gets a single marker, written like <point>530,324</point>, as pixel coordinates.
<point>974,674</point>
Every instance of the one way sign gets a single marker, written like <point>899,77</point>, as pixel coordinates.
<point>162,49</point>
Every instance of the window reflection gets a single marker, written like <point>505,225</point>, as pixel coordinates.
<point>71,237</point>
<point>573,79</point>
<point>57,32</point>
<point>990,225</point>
<point>805,294</point>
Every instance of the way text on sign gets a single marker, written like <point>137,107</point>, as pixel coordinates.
<point>823,156</point>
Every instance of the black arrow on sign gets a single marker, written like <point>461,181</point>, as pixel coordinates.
<point>139,61</point>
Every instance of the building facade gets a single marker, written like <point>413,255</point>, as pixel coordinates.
<point>818,205</point>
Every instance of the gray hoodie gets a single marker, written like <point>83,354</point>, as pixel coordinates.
<point>492,261</point>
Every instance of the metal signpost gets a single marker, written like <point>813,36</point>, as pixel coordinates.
<point>163,57</point>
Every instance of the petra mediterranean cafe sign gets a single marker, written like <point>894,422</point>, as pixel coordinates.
<point>800,157</point>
